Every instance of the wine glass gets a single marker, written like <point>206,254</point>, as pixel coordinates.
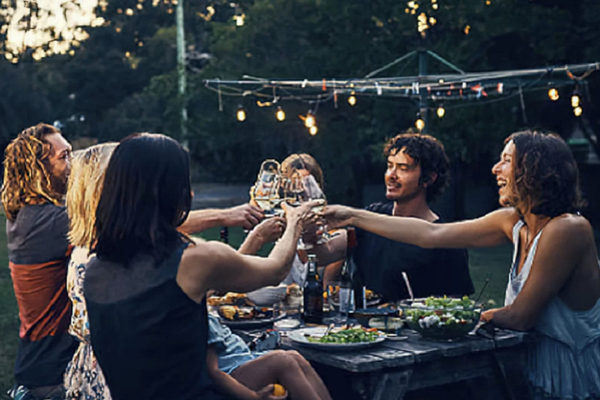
<point>300,189</point>
<point>265,192</point>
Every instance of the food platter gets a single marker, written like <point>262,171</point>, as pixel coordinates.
<point>302,336</point>
<point>442,318</point>
<point>245,317</point>
<point>251,323</point>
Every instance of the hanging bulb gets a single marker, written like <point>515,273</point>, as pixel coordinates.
<point>280,114</point>
<point>419,123</point>
<point>553,94</point>
<point>441,111</point>
<point>309,121</point>
<point>241,114</point>
<point>578,111</point>
<point>313,130</point>
<point>352,99</point>
<point>575,100</point>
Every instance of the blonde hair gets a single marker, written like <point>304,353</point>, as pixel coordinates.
<point>303,161</point>
<point>83,191</point>
<point>26,174</point>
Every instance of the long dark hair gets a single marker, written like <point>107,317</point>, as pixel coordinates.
<point>146,196</point>
<point>546,175</point>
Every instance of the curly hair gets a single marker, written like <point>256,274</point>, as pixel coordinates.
<point>546,178</point>
<point>83,191</point>
<point>27,178</point>
<point>429,153</point>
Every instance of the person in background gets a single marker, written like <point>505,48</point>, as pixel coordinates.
<point>248,375</point>
<point>36,166</point>
<point>554,280</point>
<point>332,250</point>
<point>146,288</point>
<point>417,173</point>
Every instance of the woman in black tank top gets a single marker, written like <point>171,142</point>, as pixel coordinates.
<point>145,290</point>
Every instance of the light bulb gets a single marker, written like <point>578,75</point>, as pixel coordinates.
<point>352,99</point>
<point>441,111</point>
<point>420,124</point>
<point>578,111</point>
<point>309,122</point>
<point>553,94</point>
<point>280,114</point>
<point>575,100</point>
<point>241,114</point>
<point>313,130</point>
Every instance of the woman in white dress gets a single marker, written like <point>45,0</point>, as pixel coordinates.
<point>554,284</point>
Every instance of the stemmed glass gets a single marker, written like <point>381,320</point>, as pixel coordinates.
<point>266,191</point>
<point>299,189</point>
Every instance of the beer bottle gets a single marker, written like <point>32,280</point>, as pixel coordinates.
<point>313,294</point>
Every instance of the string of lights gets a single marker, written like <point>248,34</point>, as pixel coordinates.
<point>441,89</point>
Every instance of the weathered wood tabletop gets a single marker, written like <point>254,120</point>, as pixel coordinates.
<point>390,369</point>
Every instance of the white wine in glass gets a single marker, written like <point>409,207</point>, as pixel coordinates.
<point>266,189</point>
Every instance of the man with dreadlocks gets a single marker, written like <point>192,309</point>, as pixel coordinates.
<point>36,167</point>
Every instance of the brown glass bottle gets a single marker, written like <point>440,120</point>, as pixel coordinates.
<point>313,294</point>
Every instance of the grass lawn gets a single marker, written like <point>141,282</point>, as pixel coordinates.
<point>492,264</point>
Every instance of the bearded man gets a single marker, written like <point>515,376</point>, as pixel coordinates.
<point>36,167</point>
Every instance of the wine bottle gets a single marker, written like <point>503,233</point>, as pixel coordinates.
<point>358,288</point>
<point>346,295</point>
<point>313,294</point>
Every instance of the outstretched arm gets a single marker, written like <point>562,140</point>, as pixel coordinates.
<point>490,230</point>
<point>214,265</point>
<point>245,215</point>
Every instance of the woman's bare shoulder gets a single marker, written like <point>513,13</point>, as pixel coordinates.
<point>570,228</point>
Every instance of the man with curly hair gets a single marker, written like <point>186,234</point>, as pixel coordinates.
<point>417,173</point>
<point>36,167</point>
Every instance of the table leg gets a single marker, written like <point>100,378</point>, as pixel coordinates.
<point>383,386</point>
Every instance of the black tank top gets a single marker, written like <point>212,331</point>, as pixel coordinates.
<point>149,337</point>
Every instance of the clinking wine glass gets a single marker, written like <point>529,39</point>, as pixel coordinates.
<point>266,191</point>
<point>300,189</point>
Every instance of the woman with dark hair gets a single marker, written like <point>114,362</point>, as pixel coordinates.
<point>554,282</point>
<point>145,290</point>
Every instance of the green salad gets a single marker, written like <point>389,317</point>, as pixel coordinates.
<point>436,312</point>
<point>356,335</point>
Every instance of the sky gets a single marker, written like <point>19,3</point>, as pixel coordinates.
<point>65,16</point>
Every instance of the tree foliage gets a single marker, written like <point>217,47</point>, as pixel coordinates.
<point>122,79</point>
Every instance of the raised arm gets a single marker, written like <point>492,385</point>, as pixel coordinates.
<point>214,265</point>
<point>490,230</point>
<point>245,215</point>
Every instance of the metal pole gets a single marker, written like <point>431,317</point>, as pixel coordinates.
<point>422,89</point>
<point>181,69</point>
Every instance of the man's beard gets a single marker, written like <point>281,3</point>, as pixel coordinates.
<point>58,184</point>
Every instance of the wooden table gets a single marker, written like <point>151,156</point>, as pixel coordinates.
<point>389,370</point>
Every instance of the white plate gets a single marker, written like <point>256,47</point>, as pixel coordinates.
<point>298,336</point>
<point>267,296</point>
